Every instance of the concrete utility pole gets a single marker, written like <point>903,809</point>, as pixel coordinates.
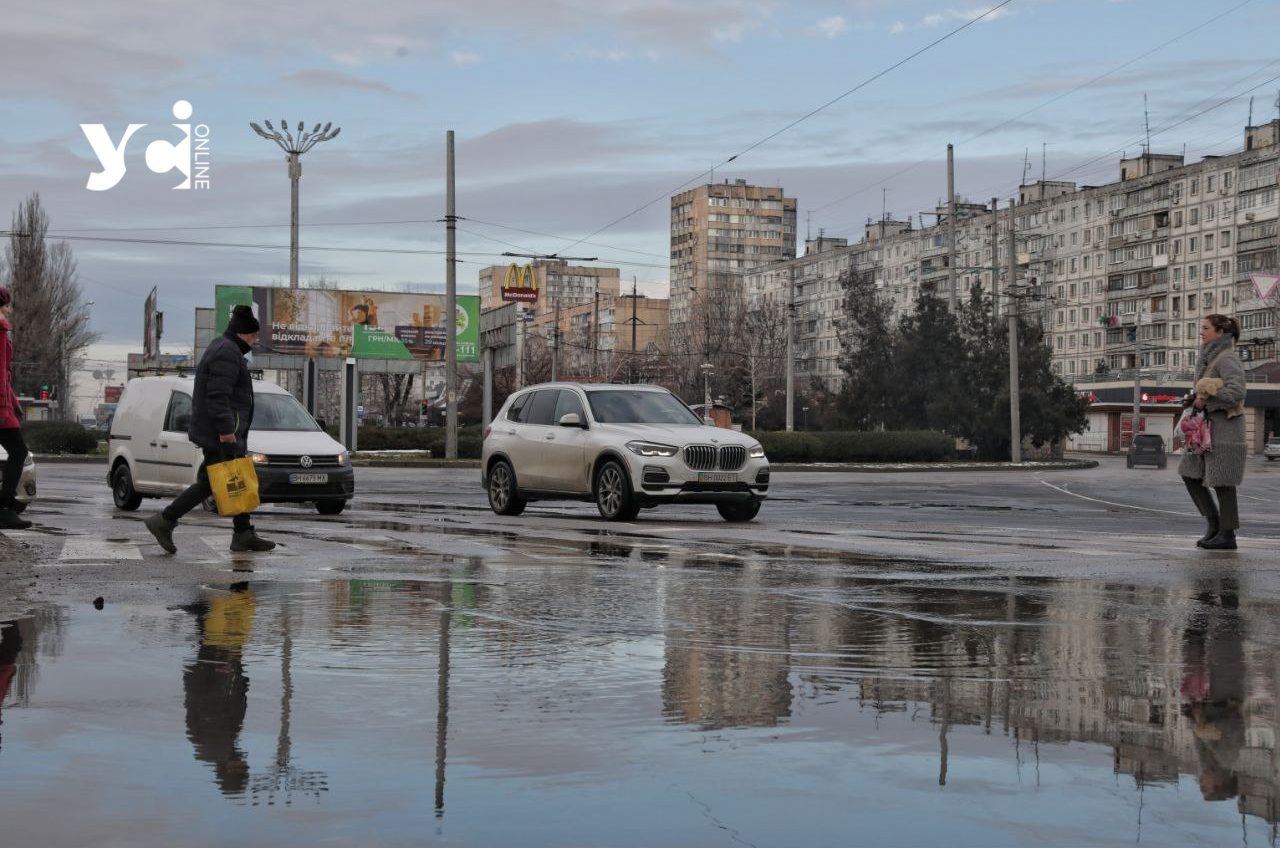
<point>555,345</point>
<point>1015,412</point>
<point>294,146</point>
<point>450,308</point>
<point>951,227</point>
<point>791,353</point>
<point>1137,376</point>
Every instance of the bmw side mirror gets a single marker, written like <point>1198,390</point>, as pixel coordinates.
<point>571,419</point>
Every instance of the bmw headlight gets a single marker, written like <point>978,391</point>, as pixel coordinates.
<point>756,451</point>
<point>258,458</point>
<point>652,449</point>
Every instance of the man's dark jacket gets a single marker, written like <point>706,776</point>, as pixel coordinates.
<point>222,400</point>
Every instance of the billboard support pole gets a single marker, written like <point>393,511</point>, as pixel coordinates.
<point>450,309</point>
<point>486,356</point>
<point>310,379</point>
<point>350,402</point>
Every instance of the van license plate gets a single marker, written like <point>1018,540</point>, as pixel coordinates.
<point>717,477</point>
<point>308,478</point>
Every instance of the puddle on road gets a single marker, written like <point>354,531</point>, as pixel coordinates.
<point>807,703</point>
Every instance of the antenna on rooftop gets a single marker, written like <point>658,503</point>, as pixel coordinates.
<point>1250,113</point>
<point>1026,164</point>
<point>1146,122</point>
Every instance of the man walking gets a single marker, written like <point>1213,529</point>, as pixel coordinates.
<point>221,412</point>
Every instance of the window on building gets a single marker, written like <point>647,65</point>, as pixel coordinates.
<point>1177,217</point>
<point>1224,268</point>
<point>1208,241</point>
<point>1192,273</point>
<point>1191,244</point>
<point>1224,238</point>
<point>1195,185</point>
<point>1193,216</point>
<point>1191,307</point>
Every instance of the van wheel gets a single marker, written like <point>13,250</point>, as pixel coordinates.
<point>122,491</point>
<point>331,506</point>
<point>739,512</point>
<point>504,497</point>
<point>614,497</point>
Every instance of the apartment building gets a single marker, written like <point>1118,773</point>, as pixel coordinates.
<point>719,232</point>
<point>1147,255</point>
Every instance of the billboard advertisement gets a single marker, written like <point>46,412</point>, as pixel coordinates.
<point>360,324</point>
<point>520,284</point>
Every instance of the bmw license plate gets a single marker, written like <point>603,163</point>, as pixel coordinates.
<point>308,478</point>
<point>717,477</point>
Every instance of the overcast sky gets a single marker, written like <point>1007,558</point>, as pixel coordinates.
<point>570,114</point>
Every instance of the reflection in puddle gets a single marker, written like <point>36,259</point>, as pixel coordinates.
<point>786,702</point>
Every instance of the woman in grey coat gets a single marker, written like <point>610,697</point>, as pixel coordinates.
<point>1219,392</point>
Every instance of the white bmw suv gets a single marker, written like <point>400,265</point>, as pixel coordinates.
<point>623,446</point>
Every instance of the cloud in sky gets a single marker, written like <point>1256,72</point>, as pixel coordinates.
<point>326,79</point>
<point>568,113</point>
<point>831,27</point>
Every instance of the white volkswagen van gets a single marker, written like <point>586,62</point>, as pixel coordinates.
<point>150,456</point>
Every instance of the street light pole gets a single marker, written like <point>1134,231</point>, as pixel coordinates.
<point>1015,399</point>
<point>294,146</point>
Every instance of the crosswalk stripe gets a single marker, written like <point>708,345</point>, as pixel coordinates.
<point>74,550</point>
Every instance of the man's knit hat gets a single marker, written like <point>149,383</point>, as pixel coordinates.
<point>242,320</point>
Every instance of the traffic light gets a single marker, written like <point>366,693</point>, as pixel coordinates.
<point>44,392</point>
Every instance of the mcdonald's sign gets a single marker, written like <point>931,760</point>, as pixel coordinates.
<point>521,284</point>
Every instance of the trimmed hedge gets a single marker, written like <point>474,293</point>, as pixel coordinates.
<point>857,446</point>
<point>424,438</point>
<point>58,437</point>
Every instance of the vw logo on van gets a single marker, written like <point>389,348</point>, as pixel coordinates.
<point>306,462</point>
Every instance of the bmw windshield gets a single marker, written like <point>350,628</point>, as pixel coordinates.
<point>629,406</point>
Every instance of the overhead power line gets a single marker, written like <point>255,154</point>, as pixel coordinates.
<point>799,120</point>
<point>1039,106</point>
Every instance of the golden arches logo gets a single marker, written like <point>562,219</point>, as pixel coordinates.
<point>520,284</point>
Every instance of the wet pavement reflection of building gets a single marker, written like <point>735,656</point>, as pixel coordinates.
<point>569,676</point>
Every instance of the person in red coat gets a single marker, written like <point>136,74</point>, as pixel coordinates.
<point>10,421</point>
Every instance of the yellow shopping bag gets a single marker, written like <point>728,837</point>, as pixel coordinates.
<point>235,485</point>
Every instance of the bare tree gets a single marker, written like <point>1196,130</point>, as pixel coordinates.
<point>51,318</point>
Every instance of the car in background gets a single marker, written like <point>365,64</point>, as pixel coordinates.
<point>1272,449</point>
<point>1147,449</point>
<point>26,483</point>
<point>150,456</point>
<point>625,447</point>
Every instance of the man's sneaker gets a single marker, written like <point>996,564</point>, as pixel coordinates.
<point>10,520</point>
<point>162,529</point>
<point>248,541</point>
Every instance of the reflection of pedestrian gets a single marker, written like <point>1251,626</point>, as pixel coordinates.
<point>216,688</point>
<point>1219,394</point>
<point>221,413</point>
<point>10,421</point>
<point>10,645</point>
<point>1213,686</point>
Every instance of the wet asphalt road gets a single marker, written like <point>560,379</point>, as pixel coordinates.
<point>977,658</point>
